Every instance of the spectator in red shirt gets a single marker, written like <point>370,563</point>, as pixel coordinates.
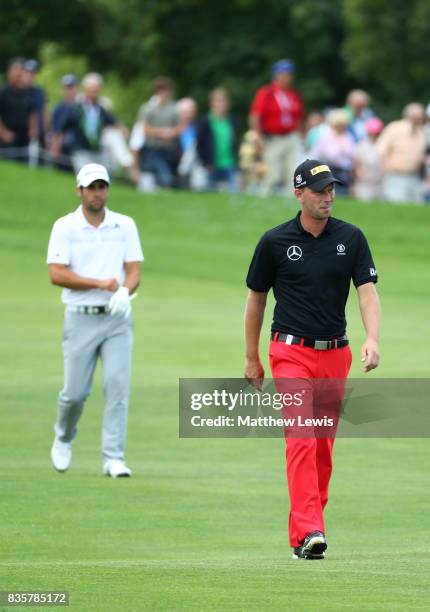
<point>276,114</point>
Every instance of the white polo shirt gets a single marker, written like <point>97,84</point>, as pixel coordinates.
<point>94,252</point>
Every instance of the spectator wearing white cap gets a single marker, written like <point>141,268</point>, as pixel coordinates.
<point>95,255</point>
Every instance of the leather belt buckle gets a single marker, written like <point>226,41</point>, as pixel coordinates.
<point>289,339</point>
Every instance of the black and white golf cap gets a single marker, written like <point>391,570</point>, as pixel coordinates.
<point>313,174</point>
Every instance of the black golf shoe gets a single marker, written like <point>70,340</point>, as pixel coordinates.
<point>313,547</point>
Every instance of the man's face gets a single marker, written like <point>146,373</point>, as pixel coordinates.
<point>15,75</point>
<point>28,77</point>
<point>92,91</point>
<point>285,79</point>
<point>164,94</point>
<point>94,196</point>
<point>70,93</point>
<point>316,204</point>
<point>219,104</point>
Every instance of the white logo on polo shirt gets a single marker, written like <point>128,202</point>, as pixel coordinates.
<point>372,271</point>
<point>294,252</point>
<point>341,249</point>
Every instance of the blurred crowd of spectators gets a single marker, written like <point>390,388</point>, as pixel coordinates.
<point>174,144</point>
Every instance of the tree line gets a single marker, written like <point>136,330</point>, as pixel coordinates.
<point>379,45</point>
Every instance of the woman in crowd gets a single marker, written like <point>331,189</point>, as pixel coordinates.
<point>217,142</point>
<point>336,147</point>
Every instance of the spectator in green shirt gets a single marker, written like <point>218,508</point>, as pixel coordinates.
<point>217,142</point>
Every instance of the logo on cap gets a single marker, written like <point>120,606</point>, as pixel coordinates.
<point>318,169</point>
<point>294,252</point>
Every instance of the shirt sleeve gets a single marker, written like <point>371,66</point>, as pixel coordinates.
<point>67,120</point>
<point>133,249</point>
<point>59,245</point>
<point>364,270</point>
<point>108,118</point>
<point>258,102</point>
<point>143,112</point>
<point>261,273</point>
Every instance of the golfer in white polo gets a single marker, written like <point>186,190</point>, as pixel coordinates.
<point>95,254</point>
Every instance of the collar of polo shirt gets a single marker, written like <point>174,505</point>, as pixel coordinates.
<point>327,227</point>
<point>108,221</point>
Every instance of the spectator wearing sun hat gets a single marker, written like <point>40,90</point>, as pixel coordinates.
<point>276,115</point>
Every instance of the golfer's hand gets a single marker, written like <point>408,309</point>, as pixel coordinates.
<point>119,303</point>
<point>254,373</point>
<point>370,355</point>
<point>109,284</point>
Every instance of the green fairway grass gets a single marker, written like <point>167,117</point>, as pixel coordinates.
<point>203,524</point>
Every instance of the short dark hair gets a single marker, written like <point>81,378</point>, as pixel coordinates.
<point>162,82</point>
<point>219,91</point>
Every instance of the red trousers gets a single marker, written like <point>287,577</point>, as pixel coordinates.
<point>309,460</point>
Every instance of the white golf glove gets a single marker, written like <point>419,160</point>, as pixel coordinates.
<point>119,303</point>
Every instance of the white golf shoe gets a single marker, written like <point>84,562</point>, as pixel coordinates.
<point>116,468</point>
<point>61,455</point>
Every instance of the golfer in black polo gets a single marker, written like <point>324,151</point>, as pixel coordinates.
<point>309,263</point>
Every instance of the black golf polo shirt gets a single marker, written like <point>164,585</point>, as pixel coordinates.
<point>311,276</point>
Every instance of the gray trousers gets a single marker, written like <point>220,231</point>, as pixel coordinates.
<point>87,337</point>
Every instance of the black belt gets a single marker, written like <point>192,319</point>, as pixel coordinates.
<point>89,309</point>
<point>319,345</point>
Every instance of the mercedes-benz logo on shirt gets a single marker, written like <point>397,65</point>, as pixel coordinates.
<point>294,252</point>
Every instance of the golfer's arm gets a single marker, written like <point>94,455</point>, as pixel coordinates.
<point>370,309</point>
<point>254,316</point>
<point>62,276</point>
<point>132,275</point>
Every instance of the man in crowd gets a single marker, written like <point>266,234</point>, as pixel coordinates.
<point>30,71</point>
<point>357,107</point>
<point>18,117</point>
<point>86,121</point>
<point>69,84</point>
<point>162,127</point>
<point>276,114</point>
<point>217,142</point>
<point>401,147</point>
